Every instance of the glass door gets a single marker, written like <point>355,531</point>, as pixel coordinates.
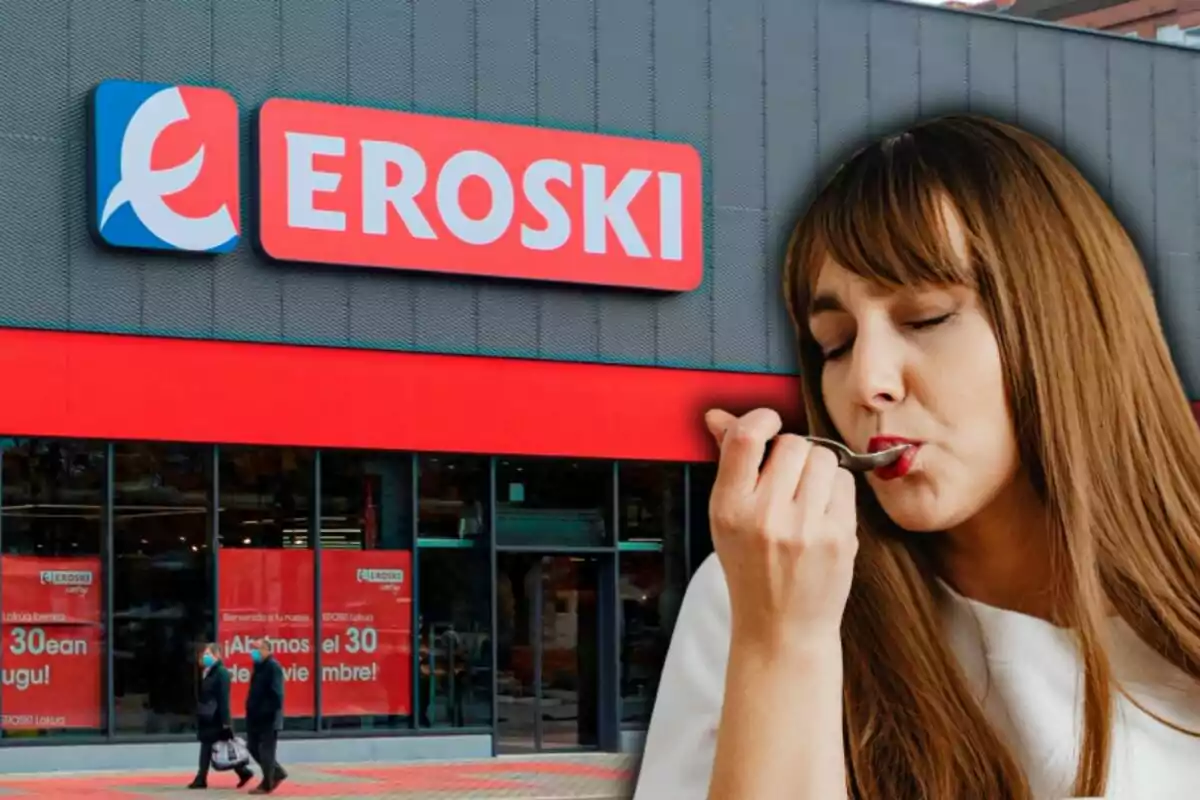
<point>548,641</point>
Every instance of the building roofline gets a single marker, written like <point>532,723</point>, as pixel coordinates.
<point>1068,8</point>
<point>1038,23</point>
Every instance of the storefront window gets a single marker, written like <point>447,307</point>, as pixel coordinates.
<point>162,579</point>
<point>454,682</point>
<point>554,502</point>
<point>648,609</point>
<point>265,570</point>
<point>651,503</point>
<point>652,577</point>
<point>453,497</point>
<point>165,592</point>
<point>700,484</point>
<point>52,598</point>
<point>366,590</point>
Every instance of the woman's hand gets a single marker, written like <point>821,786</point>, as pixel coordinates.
<point>785,535</point>
<point>786,538</point>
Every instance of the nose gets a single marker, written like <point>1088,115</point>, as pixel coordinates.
<point>877,369</point>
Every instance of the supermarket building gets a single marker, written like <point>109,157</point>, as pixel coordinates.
<point>404,369</point>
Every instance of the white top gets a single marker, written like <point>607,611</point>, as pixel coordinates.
<point>1032,699</point>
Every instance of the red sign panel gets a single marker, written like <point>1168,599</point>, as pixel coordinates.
<point>52,642</point>
<point>380,188</point>
<point>366,653</point>
<point>267,593</point>
<point>366,632</point>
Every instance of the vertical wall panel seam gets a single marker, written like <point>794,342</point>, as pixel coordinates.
<point>348,278</point>
<point>142,40</point>
<point>475,286</point>
<point>1155,250</point>
<point>1062,71</point>
<point>141,260</point>
<point>69,228</point>
<point>1195,141</point>
<point>816,60</point>
<point>349,60</point>
<point>917,73</point>
<point>594,298</point>
<point>280,64</point>
<point>412,71</point>
<point>242,212</point>
<point>921,66</point>
<point>1190,379</point>
<point>967,72</point>
<point>538,297</point>
<point>1016,67</point>
<point>414,291</point>
<point>656,313</point>
<point>1016,76</point>
<point>871,131</point>
<point>709,214</point>
<point>1108,117</point>
<point>768,271</point>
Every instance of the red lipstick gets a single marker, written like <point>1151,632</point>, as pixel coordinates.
<point>900,467</point>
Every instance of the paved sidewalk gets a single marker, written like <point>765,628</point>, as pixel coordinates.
<point>582,777</point>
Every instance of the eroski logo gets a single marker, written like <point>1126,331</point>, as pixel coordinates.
<point>387,576</point>
<point>65,577</point>
<point>165,167</point>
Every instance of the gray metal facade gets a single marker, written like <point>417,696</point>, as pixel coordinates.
<point>770,91</point>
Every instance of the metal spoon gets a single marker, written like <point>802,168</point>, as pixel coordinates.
<point>860,462</point>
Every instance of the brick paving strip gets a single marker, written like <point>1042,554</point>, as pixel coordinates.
<point>574,777</point>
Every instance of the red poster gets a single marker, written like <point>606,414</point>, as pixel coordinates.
<point>52,642</point>
<point>268,593</point>
<point>366,632</point>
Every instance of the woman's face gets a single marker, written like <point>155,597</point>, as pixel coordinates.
<point>921,365</point>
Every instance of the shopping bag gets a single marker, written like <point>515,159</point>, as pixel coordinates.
<point>230,755</point>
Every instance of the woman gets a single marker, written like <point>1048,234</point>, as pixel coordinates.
<point>214,722</point>
<point>1012,610</point>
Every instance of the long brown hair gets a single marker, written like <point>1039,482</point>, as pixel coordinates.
<point>1105,431</point>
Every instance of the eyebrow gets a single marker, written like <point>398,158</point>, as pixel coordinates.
<point>823,302</point>
<point>828,301</point>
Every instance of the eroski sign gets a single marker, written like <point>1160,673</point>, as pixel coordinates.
<point>349,186</point>
<point>389,189</point>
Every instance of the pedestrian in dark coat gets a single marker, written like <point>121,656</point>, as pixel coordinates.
<point>264,715</point>
<point>214,721</point>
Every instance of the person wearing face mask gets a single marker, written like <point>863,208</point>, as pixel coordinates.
<point>1010,610</point>
<point>214,721</point>
<point>264,715</point>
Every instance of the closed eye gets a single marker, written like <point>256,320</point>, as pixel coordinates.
<point>930,323</point>
<point>835,353</point>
